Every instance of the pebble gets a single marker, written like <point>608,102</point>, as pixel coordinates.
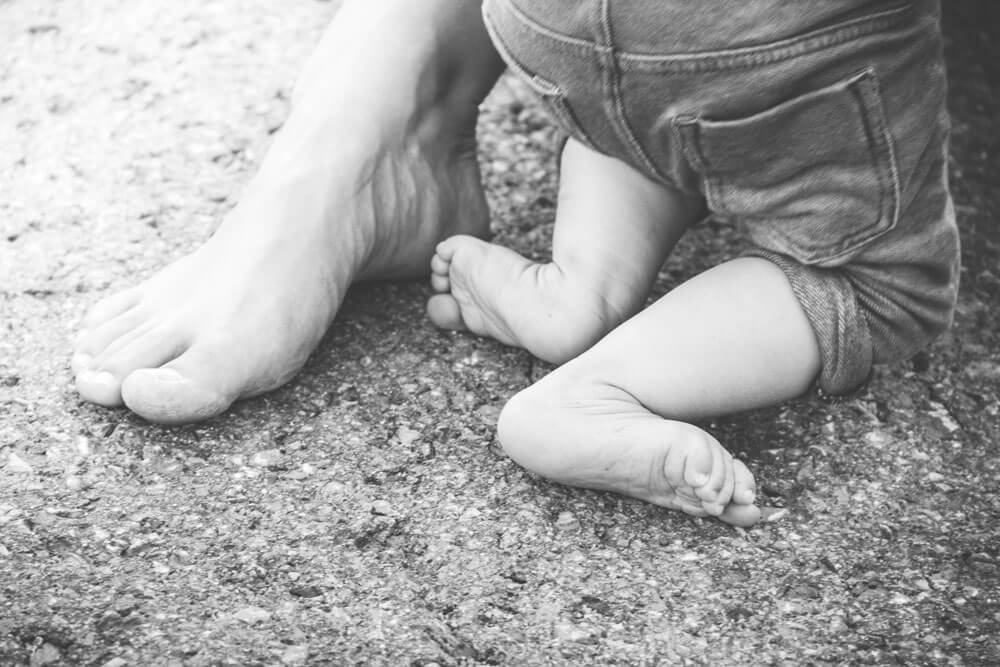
<point>771,514</point>
<point>46,654</point>
<point>877,439</point>
<point>18,465</point>
<point>116,662</point>
<point>569,632</point>
<point>308,591</point>
<point>407,436</point>
<point>490,414</point>
<point>381,507</point>
<point>983,370</point>
<point>268,458</point>
<point>252,615</point>
<point>567,521</point>
<point>295,655</point>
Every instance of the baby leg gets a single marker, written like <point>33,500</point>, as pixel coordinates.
<point>613,230</point>
<point>731,339</point>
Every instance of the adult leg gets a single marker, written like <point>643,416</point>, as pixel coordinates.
<point>730,339</point>
<point>374,166</point>
<point>613,230</point>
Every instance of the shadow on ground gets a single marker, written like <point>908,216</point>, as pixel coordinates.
<point>364,514</point>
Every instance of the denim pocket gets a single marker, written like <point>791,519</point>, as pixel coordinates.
<point>551,94</point>
<point>814,178</point>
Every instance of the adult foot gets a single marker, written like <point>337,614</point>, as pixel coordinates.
<point>599,437</point>
<point>240,315</point>
<point>356,185</point>
<point>493,291</point>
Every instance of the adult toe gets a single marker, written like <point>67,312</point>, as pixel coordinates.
<point>190,388</point>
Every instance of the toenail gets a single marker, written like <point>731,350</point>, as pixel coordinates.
<point>168,375</point>
<point>98,377</point>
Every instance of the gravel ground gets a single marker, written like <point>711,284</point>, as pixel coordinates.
<point>364,514</point>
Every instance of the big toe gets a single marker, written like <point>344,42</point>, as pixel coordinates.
<point>185,390</point>
<point>445,312</point>
<point>743,516</point>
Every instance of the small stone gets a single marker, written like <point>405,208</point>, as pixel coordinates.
<point>74,482</point>
<point>382,508</point>
<point>983,370</point>
<point>877,439</point>
<point>295,655</point>
<point>772,514</point>
<point>252,615</point>
<point>407,436</point>
<point>308,591</point>
<point>935,477</point>
<point>567,521</point>
<point>569,632</point>
<point>490,414</point>
<point>268,458</point>
<point>116,662</point>
<point>739,613</point>
<point>777,488</point>
<point>18,465</point>
<point>46,654</point>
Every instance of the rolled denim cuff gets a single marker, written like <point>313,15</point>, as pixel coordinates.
<point>841,329</point>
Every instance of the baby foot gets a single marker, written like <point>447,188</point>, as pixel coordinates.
<point>609,442</point>
<point>613,229</point>
<point>493,291</point>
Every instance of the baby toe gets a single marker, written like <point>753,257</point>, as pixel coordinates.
<point>94,341</point>
<point>445,312</point>
<point>744,484</point>
<point>100,387</point>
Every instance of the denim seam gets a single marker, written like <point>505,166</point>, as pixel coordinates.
<point>745,57</point>
<point>864,89</point>
<point>686,130</point>
<point>553,95</point>
<point>753,56</point>
<point>583,45</point>
<point>608,62</point>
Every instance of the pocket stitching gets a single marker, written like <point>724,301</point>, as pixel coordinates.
<point>865,91</point>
